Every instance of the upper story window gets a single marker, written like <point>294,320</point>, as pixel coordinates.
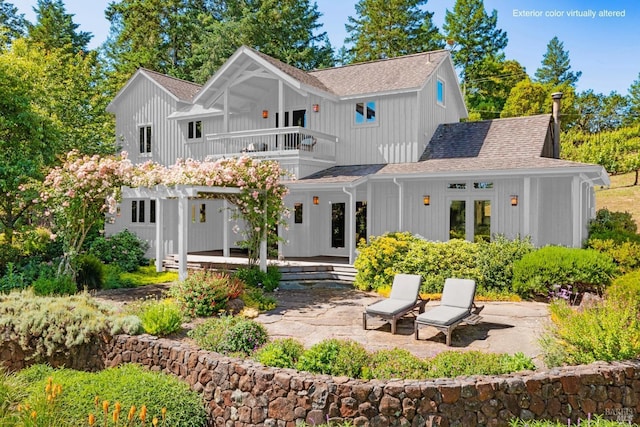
<point>145,139</point>
<point>440,91</point>
<point>194,130</point>
<point>365,112</point>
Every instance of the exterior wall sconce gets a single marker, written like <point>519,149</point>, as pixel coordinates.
<point>514,200</point>
<point>265,114</point>
<point>316,200</point>
<point>426,200</point>
<point>316,108</point>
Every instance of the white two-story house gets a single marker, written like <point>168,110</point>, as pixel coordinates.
<point>373,147</point>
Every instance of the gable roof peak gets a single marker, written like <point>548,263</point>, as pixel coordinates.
<point>182,90</point>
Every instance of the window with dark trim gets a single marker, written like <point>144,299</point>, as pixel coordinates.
<point>152,211</point>
<point>144,137</point>
<point>365,112</point>
<point>297,213</point>
<point>134,211</point>
<point>138,211</point>
<point>203,213</point>
<point>194,130</point>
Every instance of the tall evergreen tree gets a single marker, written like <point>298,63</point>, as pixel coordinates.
<point>390,28</point>
<point>12,23</point>
<point>288,30</point>
<point>556,65</point>
<point>55,29</point>
<point>634,102</point>
<point>473,35</point>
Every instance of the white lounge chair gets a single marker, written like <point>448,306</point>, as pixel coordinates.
<point>404,297</point>
<point>456,307</point>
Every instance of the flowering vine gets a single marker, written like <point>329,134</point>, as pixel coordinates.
<point>84,188</point>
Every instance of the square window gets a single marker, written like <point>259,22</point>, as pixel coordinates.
<point>440,91</point>
<point>365,112</point>
<point>297,213</point>
<point>194,130</point>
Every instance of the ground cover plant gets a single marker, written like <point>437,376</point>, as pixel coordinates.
<point>47,327</point>
<point>78,394</point>
<point>159,317</point>
<point>232,335</point>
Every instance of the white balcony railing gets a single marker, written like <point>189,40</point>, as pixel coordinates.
<point>268,143</point>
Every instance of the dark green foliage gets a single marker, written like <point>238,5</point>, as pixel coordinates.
<point>128,384</point>
<point>280,353</point>
<point>60,285</point>
<point>582,269</point>
<point>205,293</point>
<point>89,272</point>
<point>123,249</point>
<point>395,363</point>
<point>256,298</point>
<point>113,279</point>
<point>252,276</point>
<point>556,65</point>
<point>230,335</point>
<point>12,279</point>
<point>335,357</point>
<point>495,260</point>
<point>608,221</point>
<point>450,364</point>
<point>160,317</point>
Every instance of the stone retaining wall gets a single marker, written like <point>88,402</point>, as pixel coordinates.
<point>242,393</point>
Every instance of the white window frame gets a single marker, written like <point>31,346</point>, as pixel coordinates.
<point>365,104</point>
<point>145,139</point>
<point>194,132</point>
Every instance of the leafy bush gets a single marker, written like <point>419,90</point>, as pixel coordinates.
<point>450,364</point>
<point>625,290</point>
<point>205,293</point>
<point>604,332</point>
<point>124,249</point>
<point>268,281</point>
<point>256,298</point>
<point>537,272</point>
<point>280,353</point>
<point>61,285</point>
<point>626,254</point>
<point>495,260</point>
<point>230,335</point>
<point>12,279</point>
<point>130,385</point>
<point>335,357</point>
<point>395,363</point>
<point>160,317</point>
<point>113,278</point>
<point>377,261</point>
<point>89,272</point>
<point>50,326</point>
<point>616,222</point>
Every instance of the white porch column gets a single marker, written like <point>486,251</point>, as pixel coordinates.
<point>159,233</point>
<point>576,211</point>
<point>525,205</point>
<point>183,236</point>
<point>351,225</point>
<point>263,242</point>
<point>226,249</point>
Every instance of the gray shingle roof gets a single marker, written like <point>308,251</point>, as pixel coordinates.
<point>405,72</point>
<point>181,89</point>
<point>490,139</point>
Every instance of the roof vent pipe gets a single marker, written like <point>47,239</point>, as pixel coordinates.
<point>557,97</point>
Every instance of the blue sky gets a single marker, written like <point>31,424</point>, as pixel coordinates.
<point>605,49</point>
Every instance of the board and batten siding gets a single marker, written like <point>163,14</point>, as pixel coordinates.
<point>554,212</point>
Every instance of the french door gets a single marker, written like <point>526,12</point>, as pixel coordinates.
<point>470,218</point>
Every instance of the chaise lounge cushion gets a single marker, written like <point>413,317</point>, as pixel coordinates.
<point>390,307</point>
<point>443,315</point>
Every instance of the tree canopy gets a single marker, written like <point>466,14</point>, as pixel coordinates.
<point>555,69</point>
<point>390,28</point>
<point>12,23</point>
<point>55,29</point>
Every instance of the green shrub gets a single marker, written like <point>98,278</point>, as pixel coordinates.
<point>12,392</point>
<point>12,279</point>
<point>377,261</point>
<point>335,357</point>
<point>253,277</point>
<point>280,353</point>
<point>160,317</point>
<point>124,249</point>
<point>61,285</point>
<point>395,363</point>
<point>230,335</point>
<point>128,384</point>
<point>205,293</point>
<point>89,272</point>
<point>625,290</point>
<point>626,254</point>
<point>451,364</point>
<point>113,278</point>
<point>256,298</point>
<point>495,260</point>
<point>436,261</point>
<point>604,332</point>
<point>617,222</point>
<point>49,327</point>
<point>537,272</point>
